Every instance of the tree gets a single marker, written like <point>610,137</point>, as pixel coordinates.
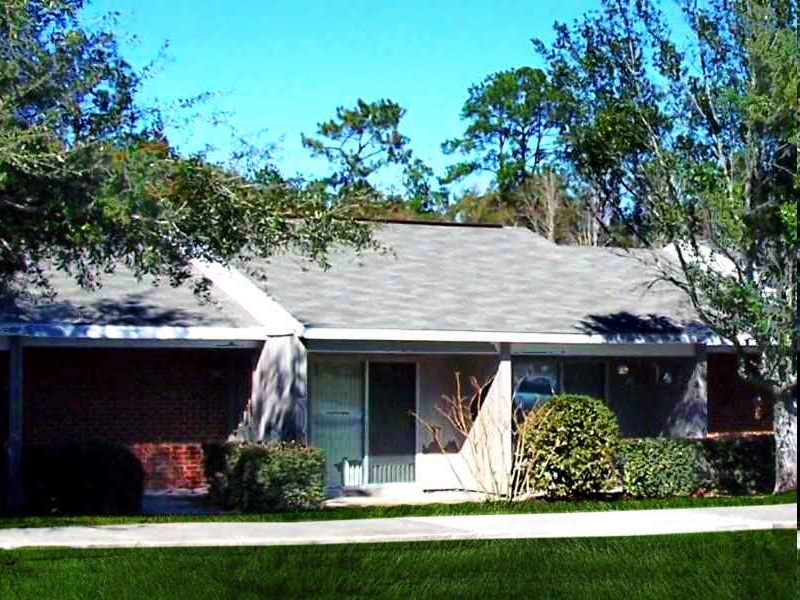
<point>588,218</point>
<point>88,180</point>
<point>359,142</point>
<point>695,149</point>
<point>600,137</point>
<point>545,207</point>
<point>422,198</point>
<point>473,206</point>
<point>510,116</point>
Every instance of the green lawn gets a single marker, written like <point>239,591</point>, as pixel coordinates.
<point>467,508</point>
<point>747,565</point>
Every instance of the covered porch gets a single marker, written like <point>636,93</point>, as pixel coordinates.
<point>371,404</point>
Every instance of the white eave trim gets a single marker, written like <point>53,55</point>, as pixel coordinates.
<point>495,337</point>
<point>252,299</point>
<point>132,332</point>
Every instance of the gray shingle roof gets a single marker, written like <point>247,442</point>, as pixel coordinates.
<point>124,300</point>
<point>476,279</point>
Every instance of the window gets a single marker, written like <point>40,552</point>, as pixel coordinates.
<point>535,382</point>
<point>587,378</point>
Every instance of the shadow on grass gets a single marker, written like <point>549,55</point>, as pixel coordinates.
<point>408,510</point>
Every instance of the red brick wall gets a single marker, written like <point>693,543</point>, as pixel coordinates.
<point>733,405</point>
<point>162,403</point>
<point>171,466</point>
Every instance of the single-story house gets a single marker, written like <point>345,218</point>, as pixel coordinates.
<point>341,358</point>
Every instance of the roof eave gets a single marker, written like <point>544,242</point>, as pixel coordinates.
<point>514,337</point>
<point>137,332</point>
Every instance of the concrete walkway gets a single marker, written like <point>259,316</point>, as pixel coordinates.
<point>601,524</point>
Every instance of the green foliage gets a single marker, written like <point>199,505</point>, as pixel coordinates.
<point>363,141</point>
<point>756,565</point>
<point>509,116</point>
<point>694,146</point>
<point>664,467</point>
<point>265,477</point>
<point>89,478</point>
<point>475,207</point>
<point>88,179</point>
<point>660,467</point>
<point>789,219</point>
<point>570,447</point>
<point>739,465</point>
<point>422,197</point>
<point>359,142</point>
<point>608,107</point>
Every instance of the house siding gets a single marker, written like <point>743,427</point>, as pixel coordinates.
<point>733,405</point>
<point>659,396</point>
<point>650,396</point>
<point>164,404</point>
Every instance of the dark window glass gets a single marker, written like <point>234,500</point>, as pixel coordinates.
<point>586,378</point>
<point>392,396</point>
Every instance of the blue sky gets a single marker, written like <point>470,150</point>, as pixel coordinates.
<point>279,67</point>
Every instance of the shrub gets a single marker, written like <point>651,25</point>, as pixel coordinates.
<point>219,464</point>
<point>660,467</point>
<point>266,477</point>
<point>569,445</point>
<point>82,478</point>
<point>739,465</point>
<point>677,467</point>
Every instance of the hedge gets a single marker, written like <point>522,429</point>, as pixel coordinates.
<point>569,447</point>
<point>97,478</point>
<point>265,477</point>
<point>740,465</point>
<point>662,467</point>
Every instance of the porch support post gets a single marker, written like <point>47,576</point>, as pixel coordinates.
<point>279,398</point>
<point>689,418</point>
<point>13,449</point>
<point>502,417</point>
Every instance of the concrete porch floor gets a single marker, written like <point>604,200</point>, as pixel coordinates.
<point>389,496</point>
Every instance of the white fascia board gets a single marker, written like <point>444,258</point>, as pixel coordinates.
<point>132,332</point>
<point>412,335</point>
<point>252,299</point>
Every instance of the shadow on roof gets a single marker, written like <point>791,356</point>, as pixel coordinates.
<point>134,309</point>
<point>624,325</point>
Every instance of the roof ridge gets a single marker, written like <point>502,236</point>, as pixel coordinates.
<point>432,223</point>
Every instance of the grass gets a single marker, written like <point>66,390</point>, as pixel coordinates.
<point>721,566</point>
<point>408,510</point>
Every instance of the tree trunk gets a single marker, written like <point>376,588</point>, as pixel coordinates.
<point>551,202</point>
<point>785,426</point>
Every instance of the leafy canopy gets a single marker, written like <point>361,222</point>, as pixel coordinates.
<point>360,141</point>
<point>694,148</point>
<point>88,180</point>
<point>509,116</point>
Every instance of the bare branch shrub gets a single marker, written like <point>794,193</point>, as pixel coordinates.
<point>479,427</point>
